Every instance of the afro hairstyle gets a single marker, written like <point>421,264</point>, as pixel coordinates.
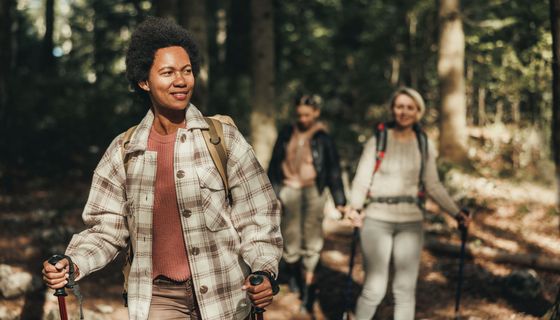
<point>151,35</point>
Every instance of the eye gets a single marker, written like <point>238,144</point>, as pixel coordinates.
<point>166,73</point>
<point>187,71</point>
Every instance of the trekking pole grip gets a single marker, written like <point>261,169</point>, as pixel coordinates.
<point>53,260</point>
<point>255,280</point>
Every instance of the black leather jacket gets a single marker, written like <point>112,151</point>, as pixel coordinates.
<point>325,161</point>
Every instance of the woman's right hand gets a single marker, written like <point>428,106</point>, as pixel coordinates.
<point>56,276</point>
<point>356,217</point>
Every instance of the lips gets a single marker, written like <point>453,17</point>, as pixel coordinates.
<point>180,95</point>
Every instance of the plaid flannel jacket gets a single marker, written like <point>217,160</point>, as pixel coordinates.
<point>224,242</point>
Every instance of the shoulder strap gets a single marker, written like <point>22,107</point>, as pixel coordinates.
<point>125,141</point>
<point>381,145</point>
<point>214,138</point>
<point>128,251</point>
<point>422,139</point>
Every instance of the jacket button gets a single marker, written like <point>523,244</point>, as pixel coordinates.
<point>187,213</point>
<point>195,251</point>
<point>183,137</point>
<point>180,174</point>
<point>203,289</point>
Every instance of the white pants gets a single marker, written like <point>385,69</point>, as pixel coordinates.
<point>379,241</point>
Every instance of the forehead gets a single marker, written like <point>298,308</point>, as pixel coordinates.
<point>304,108</point>
<point>404,99</point>
<point>171,55</point>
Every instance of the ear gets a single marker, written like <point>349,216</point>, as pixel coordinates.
<point>317,113</point>
<point>144,85</point>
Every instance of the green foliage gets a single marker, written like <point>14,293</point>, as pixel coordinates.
<point>353,53</point>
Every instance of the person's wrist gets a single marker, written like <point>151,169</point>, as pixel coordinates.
<point>271,276</point>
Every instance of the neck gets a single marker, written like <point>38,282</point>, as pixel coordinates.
<point>403,133</point>
<point>168,121</point>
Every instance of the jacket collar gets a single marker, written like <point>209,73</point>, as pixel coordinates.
<point>139,141</point>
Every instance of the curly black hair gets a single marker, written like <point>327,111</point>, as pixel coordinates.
<point>150,35</point>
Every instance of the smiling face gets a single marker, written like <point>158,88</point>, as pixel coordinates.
<point>405,111</point>
<point>171,80</point>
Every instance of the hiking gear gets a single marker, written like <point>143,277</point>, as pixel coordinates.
<point>271,278</point>
<point>256,312</point>
<point>381,147</point>
<point>348,291</point>
<point>463,231</point>
<point>395,200</point>
<point>60,293</point>
<point>214,139</point>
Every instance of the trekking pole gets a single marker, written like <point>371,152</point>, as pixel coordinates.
<point>60,293</point>
<point>463,229</point>
<point>348,289</point>
<point>256,312</point>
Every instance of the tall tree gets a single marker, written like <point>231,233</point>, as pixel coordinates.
<point>48,41</point>
<point>5,55</point>
<point>263,130</point>
<point>193,17</point>
<point>451,58</point>
<point>166,8</point>
<point>555,29</point>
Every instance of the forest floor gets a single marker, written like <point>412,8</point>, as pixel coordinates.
<point>516,218</point>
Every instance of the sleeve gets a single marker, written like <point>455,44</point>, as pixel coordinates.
<point>335,173</point>
<point>255,209</point>
<point>434,187</point>
<point>104,215</point>
<point>364,173</point>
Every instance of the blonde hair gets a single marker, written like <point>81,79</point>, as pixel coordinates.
<point>415,95</point>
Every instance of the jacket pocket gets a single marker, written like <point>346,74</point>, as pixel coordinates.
<point>214,202</point>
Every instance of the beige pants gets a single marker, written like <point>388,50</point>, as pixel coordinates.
<point>173,301</point>
<point>302,225</point>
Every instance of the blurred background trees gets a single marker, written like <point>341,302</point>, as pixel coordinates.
<point>63,94</point>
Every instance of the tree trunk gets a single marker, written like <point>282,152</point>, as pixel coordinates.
<point>5,56</point>
<point>555,28</point>
<point>453,126</point>
<point>515,110</point>
<point>5,67</point>
<point>263,129</point>
<point>528,260</point>
<point>48,42</point>
<point>499,116</point>
<point>481,106</point>
<point>193,18</point>
<point>166,9</point>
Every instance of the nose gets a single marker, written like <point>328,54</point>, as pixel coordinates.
<point>179,80</point>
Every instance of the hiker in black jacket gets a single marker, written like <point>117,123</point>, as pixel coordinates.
<point>304,162</point>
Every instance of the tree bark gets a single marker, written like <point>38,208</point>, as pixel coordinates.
<point>193,18</point>
<point>5,68</point>
<point>499,116</point>
<point>48,42</point>
<point>453,126</point>
<point>481,106</point>
<point>555,29</point>
<point>166,9</point>
<point>263,129</point>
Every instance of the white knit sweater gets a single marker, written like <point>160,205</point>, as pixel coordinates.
<point>398,176</point>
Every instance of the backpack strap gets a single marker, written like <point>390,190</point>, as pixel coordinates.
<point>129,254</point>
<point>422,139</point>
<point>125,141</point>
<point>214,138</point>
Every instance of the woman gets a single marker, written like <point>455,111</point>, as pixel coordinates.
<point>389,205</point>
<point>193,249</point>
<point>304,162</point>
